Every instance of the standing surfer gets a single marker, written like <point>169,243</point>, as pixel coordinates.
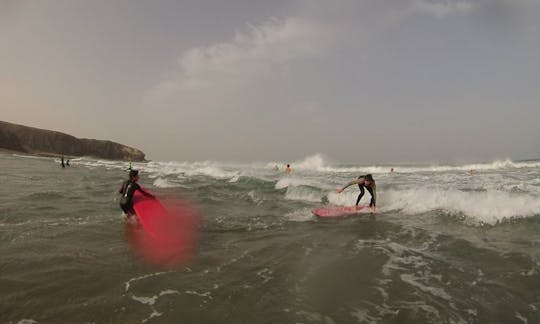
<point>367,182</point>
<point>128,189</point>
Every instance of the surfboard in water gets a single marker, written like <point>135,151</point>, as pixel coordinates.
<point>151,214</point>
<point>340,211</point>
<point>168,233</point>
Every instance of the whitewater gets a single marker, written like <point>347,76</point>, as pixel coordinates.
<point>498,191</point>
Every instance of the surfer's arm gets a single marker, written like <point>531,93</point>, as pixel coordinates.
<point>357,181</point>
<point>146,193</point>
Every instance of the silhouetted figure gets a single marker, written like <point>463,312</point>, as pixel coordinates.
<point>63,165</point>
<point>67,163</point>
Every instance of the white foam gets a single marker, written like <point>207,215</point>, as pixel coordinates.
<point>127,284</point>
<point>318,163</point>
<point>487,207</point>
<point>415,281</point>
<point>346,198</point>
<point>196,293</point>
<point>291,182</point>
<point>303,193</point>
<point>302,215</point>
<point>27,321</point>
<point>313,164</point>
<point>183,169</point>
<point>522,318</point>
<point>164,183</point>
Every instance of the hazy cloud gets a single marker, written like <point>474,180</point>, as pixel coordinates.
<point>442,8</point>
<point>249,56</point>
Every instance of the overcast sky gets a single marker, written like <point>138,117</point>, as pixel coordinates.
<point>368,81</point>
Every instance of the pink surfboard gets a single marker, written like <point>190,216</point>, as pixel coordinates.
<point>167,234</point>
<point>339,211</point>
<point>150,214</point>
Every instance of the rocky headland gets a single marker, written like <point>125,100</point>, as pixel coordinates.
<point>37,141</point>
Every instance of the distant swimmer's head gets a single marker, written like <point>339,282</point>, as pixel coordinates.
<point>134,175</point>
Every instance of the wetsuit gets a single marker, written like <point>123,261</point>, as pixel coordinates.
<point>372,188</point>
<point>127,190</point>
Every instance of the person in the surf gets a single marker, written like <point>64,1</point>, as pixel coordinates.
<point>127,190</point>
<point>288,169</point>
<point>62,162</point>
<point>365,181</point>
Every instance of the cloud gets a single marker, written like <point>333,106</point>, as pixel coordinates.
<point>250,56</point>
<point>441,8</point>
<point>259,55</point>
<point>304,82</point>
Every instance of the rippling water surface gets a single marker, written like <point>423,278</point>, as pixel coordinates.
<point>444,247</point>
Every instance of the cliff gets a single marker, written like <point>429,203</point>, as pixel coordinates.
<point>45,142</point>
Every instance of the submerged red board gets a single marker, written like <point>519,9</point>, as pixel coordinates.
<point>167,231</point>
<point>339,211</point>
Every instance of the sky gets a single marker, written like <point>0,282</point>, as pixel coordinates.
<point>363,81</point>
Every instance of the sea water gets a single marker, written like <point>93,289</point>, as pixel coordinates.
<point>443,247</point>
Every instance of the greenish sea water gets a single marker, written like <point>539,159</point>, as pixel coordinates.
<point>444,247</point>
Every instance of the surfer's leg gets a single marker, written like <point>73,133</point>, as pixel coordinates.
<point>360,195</point>
<point>128,209</point>
<point>372,202</point>
<point>125,208</point>
<point>131,211</point>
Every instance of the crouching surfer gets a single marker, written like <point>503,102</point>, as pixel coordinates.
<point>367,182</point>
<point>127,190</point>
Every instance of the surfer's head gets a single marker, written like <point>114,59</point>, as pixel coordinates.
<point>134,175</point>
<point>368,179</point>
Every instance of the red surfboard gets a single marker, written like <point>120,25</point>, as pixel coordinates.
<point>167,234</point>
<point>150,214</point>
<point>340,211</point>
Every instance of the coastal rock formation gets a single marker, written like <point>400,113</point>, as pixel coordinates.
<point>45,142</point>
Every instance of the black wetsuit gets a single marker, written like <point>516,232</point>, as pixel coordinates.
<point>127,191</point>
<point>372,188</point>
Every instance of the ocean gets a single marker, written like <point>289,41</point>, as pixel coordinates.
<point>444,246</point>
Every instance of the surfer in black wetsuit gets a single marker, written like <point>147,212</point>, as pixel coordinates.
<point>128,189</point>
<point>367,182</point>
